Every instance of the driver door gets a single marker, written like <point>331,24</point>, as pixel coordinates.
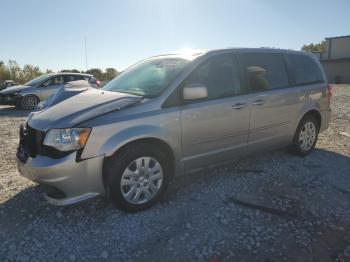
<point>216,128</point>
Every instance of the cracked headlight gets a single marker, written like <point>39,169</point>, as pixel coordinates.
<point>69,139</point>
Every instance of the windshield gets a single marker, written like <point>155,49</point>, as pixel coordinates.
<point>37,80</point>
<point>148,78</point>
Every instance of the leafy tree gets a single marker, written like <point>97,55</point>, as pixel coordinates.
<point>319,47</point>
<point>101,75</point>
<point>110,73</point>
<point>4,72</point>
<point>70,71</point>
<point>28,73</point>
<point>12,71</point>
<point>96,72</point>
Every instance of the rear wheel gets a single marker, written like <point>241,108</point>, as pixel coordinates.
<point>29,102</point>
<point>306,135</point>
<point>137,177</point>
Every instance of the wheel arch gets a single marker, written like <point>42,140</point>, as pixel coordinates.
<point>151,141</point>
<point>30,94</point>
<point>315,113</point>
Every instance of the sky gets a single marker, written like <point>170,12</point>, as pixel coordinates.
<point>51,33</point>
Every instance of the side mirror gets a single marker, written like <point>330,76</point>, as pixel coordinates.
<point>195,91</point>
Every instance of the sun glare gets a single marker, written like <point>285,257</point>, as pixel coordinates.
<point>189,51</point>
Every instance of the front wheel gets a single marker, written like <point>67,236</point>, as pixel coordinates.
<point>29,102</point>
<point>137,177</point>
<point>306,135</point>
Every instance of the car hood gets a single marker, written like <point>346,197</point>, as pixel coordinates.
<point>79,108</point>
<point>68,90</point>
<point>13,89</point>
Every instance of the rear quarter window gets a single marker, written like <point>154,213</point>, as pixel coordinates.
<point>304,70</point>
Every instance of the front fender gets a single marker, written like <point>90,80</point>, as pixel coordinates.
<point>23,94</point>
<point>131,134</point>
<point>171,135</point>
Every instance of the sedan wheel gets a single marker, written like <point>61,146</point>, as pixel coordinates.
<point>29,102</point>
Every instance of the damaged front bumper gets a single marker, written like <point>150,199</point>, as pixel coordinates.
<point>66,180</point>
<point>10,99</point>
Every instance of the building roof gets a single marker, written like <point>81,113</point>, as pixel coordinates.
<point>343,36</point>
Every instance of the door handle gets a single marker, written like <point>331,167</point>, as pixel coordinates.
<point>239,106</point>
<point>258,102</point>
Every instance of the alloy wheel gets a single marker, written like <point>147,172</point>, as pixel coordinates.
<point>141,180</point>
<point>29,102</point>
<point>307,136</point>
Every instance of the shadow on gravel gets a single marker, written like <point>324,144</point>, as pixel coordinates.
<point>196,199</point>
<point>319,167</point>
<point>13,111</point>
<point>321,163</point>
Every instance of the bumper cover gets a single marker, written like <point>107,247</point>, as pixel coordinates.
<point>10,99</point>
<point>325,119</point>
<point>78,180</point>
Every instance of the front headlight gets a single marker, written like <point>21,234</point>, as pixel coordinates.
<point>67,139</point>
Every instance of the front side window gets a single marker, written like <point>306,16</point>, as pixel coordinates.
<point>148,78</point>
<point>304,70</point>
<point>219,75</point>
<point>264,71</point>
<point>37,80</point>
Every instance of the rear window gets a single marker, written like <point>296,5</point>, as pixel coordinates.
<point>264,71</point>
<point>304,70</point>
<point>69,78</point>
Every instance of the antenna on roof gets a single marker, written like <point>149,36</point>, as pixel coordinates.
<point>86,64</point>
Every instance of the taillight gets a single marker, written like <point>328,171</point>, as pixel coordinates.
<point>329,91</point>
<point>98,83</point>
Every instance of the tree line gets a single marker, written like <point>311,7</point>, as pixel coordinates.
<point>12,71</point>
<point>318,47</point>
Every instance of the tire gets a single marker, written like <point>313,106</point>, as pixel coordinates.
<point>29,102</point>
<point>306,135</point>
<point>18,103</point>
<point>148,186</point>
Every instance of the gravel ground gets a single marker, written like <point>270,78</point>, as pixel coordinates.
<point>274,207</point>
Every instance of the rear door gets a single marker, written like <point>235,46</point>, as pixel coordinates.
<point>51,86</point>
<point>216,128</point>
<point>274,103</point>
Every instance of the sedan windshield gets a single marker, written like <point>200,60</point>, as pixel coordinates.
<point>37,80</point>
<point>148,78</point>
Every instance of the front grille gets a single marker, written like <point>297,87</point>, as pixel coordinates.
<point>32,141</point>
<point>32,144</point>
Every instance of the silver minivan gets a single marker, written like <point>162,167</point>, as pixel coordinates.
<point>173,114</point>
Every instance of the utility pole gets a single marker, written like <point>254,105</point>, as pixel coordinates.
<point>86,63</point>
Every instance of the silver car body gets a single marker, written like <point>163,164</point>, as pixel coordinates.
<point>40,90</point>
<point>197,134</point>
